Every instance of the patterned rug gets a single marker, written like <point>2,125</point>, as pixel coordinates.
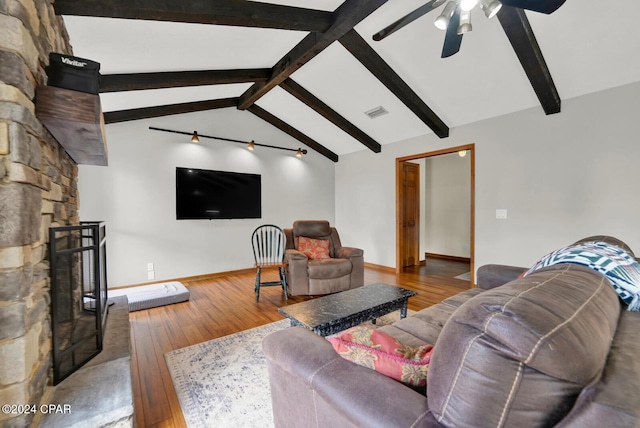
<point>224,382</point>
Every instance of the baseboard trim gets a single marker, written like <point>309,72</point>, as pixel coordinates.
<point>380,267</point>
<point>446,257</point>
<point>187,279</point>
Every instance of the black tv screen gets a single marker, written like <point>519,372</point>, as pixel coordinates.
<point>206,194</point>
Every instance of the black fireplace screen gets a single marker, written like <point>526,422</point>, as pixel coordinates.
<point>78,295</point>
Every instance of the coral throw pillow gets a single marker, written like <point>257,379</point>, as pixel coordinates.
<point>376,350</point>
<point>314,248</point>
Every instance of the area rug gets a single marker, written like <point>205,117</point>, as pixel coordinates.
<point>224,382</point>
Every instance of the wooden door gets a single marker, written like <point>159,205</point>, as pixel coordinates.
<point>410,214</point>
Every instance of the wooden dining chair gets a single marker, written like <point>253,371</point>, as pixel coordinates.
<point>269,242</point>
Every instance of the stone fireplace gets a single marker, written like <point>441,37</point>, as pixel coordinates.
<point>38,190</point>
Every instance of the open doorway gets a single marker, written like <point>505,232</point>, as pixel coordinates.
<point>409,197</point>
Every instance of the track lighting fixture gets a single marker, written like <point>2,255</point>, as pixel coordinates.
<point>195,138</point>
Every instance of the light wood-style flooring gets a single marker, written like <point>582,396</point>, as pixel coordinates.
<point>227,305</point>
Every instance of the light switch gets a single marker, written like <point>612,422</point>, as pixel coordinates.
<point>501,214</point>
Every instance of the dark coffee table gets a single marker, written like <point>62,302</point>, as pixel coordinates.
<point>336,312</point>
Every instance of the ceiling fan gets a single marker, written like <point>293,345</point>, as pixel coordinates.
<point>455,18</point>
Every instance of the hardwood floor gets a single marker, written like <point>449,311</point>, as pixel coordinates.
<point>227,305</point>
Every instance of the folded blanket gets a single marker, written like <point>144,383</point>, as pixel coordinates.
<point>618,266</point>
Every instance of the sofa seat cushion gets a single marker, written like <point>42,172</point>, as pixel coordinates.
<point>329,268</point>
<point>458,299</point>
<point>520,354</point>
<point>422,327</point>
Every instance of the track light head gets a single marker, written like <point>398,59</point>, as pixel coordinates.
<point>195,138</point>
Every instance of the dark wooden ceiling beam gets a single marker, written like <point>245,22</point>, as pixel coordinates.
<point>290,130</point>
<point>518,30</point>
<point>345,17</point>
<point>360,49</point>
<point>219,12</point>
<point>167,110</point>
<point>328,113</point>
<point>174,79</point>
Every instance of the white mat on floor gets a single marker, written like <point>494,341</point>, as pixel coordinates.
<point>152,295</point>
<point>464,276</point>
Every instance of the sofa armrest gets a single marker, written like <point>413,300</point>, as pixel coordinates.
<point>356,256</point>
<point>492,276</point>
<point>292,255</point>
<point>349,252</point>
<point>297,272</point>
<point>311,385</point>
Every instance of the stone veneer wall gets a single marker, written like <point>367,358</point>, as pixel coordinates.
<point>38,185</point>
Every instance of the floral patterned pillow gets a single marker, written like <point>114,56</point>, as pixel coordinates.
<point>376,350</point>
<point>314,248</point>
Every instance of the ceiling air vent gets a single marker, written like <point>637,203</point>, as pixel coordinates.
<point>376,112</point>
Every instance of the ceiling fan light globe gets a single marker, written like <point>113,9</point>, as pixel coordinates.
<point>465,23</point>
<point>467,5</point>
<point>464,28</point>
<point>442,21</point>
<point>490,8</point>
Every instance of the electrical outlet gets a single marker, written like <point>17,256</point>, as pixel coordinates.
<point>151,275</point>
<point>149,267</point>
<point>501,214</point>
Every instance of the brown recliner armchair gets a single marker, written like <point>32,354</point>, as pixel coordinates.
<point>343,269</point>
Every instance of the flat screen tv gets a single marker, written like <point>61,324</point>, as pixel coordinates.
<point>206,194</point>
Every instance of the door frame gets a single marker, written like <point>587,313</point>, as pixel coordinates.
<point>470,148</point>
<point>405,252</point>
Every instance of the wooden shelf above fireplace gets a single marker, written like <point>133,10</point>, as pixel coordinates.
<point>75,119</point>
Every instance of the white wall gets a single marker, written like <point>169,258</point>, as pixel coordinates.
<point>561,177</point>
<point>135,194</point>
<point>447,219</point>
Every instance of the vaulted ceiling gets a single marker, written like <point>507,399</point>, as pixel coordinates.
<point>313,73</point>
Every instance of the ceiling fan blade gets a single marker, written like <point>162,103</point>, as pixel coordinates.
<point>542,6</point>
<point>452,40</point>
<point>407,19</point>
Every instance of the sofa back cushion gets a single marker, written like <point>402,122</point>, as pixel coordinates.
<point>316,229</point>
<point>520,354</point>
<point>311,228</point>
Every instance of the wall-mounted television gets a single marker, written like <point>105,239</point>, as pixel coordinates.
<point>207,194</point>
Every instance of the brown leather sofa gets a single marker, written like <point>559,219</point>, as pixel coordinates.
<point>343,271</point>
<point>555,348</point>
